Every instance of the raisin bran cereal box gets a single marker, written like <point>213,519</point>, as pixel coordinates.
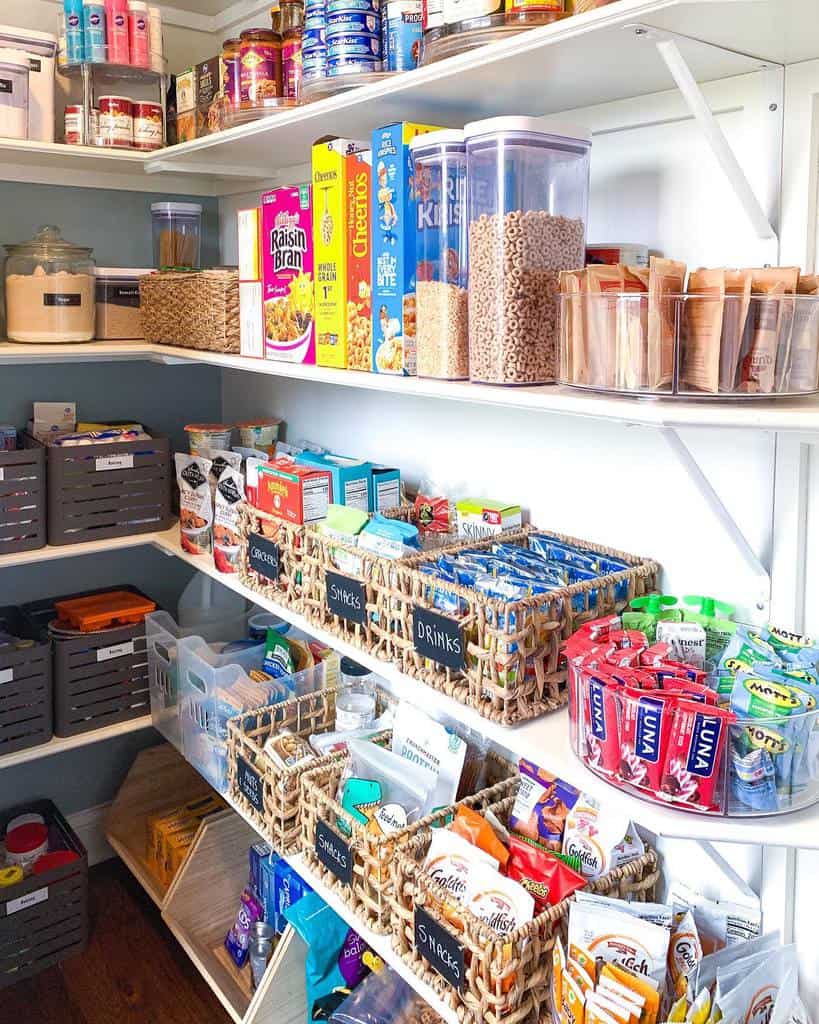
<point>329,167</point>
<point>287,274</point>
<point>393,259</point>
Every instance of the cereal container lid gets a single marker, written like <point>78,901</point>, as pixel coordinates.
<point>170,209</point>
<point>526,125</point>
<point>445,137</point>
<point>122,271</point>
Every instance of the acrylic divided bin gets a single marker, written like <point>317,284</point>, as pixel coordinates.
<point>696,745</point>
<point>693,346</point>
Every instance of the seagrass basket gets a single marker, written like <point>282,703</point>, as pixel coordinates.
<point>263,540</point>
<point>505,978</point>
<point>192,310</point>
<point>366,884</point>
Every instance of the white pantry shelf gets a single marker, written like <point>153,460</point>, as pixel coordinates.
<point>544,740</point>
<point>798,414</point>
<point>60,744</point>
<point>51,553</point>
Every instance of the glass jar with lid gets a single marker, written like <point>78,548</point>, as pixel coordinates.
<point>232,73</point>
<point>291,19</point>
<point>50,290</point>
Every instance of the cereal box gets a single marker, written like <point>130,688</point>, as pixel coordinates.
<point>393,257</point>
<point>287,274</point>
<point>359,279</point>
<point>330,240</point>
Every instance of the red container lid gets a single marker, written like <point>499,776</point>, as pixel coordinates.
<point>25,838</point>
<point>56,859</point>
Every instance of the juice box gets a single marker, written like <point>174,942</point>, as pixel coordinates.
<point>359,252</point>
<point>330,240</point>
<point>393,257</point>
<point>287,274</point>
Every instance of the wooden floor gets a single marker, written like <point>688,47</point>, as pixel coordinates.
<point>133,971</point>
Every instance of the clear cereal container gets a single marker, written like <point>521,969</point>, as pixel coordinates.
<point>527,200</point>
<point>441,270</point>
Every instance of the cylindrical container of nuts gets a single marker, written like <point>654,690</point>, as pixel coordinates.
<point>527,202</point>
<point>441,266</point>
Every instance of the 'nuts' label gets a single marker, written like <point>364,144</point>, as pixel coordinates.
<point>250,785</point>
<point>440,948</point>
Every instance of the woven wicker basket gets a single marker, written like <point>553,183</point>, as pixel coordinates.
<point>289,539</point>
<point>514,668</point>
<point>369,895</point>
<point>506,978</point>
<point>193,310</point>
<point>280,820</point>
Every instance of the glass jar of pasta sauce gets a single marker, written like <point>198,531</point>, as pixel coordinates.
<point>261,66</point>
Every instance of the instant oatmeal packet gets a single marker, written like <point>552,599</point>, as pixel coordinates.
<point>768,319</point>
<point>572,284</point>
<point>702,331</point>
<point>666,278</point>
<point>803,367</point>
<point>734,319</point>
<point>603,285</point>
<point>631,368</point>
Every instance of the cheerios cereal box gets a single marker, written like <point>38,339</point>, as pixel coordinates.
<point>287,274</point>
<point>359,251</point>
<point>329,171</point>
<point>393,245</point>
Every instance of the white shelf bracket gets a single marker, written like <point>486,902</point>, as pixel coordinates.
<point>683,454</point>
<point>714,135</point>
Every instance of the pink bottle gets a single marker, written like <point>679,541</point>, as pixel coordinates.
<point>139,33</point>
<point>116,20</point>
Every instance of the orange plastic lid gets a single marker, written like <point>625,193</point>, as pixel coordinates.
<point>269,422</point>
<point>209,427</point>
<point>101,611</point>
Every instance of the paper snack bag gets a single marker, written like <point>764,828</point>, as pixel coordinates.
<point>734,320</point>
<point>702,331</point>
<point>767,319</point>
<point>631,368</point>
<point>601,322</point>
<point>803,369</point>
<point>666,278</point>
<point>573,348</point>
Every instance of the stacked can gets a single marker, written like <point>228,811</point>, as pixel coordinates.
<point>353,37</point>
<point>313,41</point>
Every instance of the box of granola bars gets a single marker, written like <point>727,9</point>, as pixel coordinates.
<point>287,274</point>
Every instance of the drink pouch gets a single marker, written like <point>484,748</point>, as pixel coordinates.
<point>438,751</point>
<point>541,805</point>
<point>475,829</point>
<point>695,754</point>
<point>601,838</point>
<point>555,550</point>
<point>645,730</point>
<point>541,873</point>
<point>616,937</point>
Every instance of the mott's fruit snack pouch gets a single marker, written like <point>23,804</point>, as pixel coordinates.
<point>287,274</point>
<point>393,258</point>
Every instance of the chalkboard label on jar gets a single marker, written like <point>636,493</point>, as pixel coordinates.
<point>439,638</point>
<point>62,299</point>
<point>439,948</point>
<point>334,853</point>
<point>250,784</point>
<point>263,556</point>
<point>346,598</point>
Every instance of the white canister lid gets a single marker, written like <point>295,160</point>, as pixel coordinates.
<point>25,819</point>
<point>169,209</point>
<point>14,58</point>
<point>444,137</point>
<point>531,125</point>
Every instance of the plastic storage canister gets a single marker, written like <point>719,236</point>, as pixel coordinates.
<point>116,29</point>
<point>355,699</point>
<point>41,50</point>
<point>117,293</point>
<point>177,229</point>
<point>527,206</point>
<point>13,94</point>
<point>49,290</point>
<point>94,31</point>
<point>441,272</point>
<point>139,33</point>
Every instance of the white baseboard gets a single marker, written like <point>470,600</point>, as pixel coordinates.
<point>90,827</point>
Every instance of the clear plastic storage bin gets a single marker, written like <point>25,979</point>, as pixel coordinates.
<point>441,271</point>
<point>694,346</point>
<point>177,230</point>
<point>527,206</point>
<point>13,94</point>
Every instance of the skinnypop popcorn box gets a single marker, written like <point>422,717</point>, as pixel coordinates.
<point>287,275</point>
<point>393,234</point>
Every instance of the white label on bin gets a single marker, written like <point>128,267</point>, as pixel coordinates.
<point>115,651</point>
<point>2,474</point>
<point>31,899</point>
<point>6,675</point>
<point>114,462</point>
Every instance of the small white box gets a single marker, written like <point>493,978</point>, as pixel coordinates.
<point>251,320</point>
<point>248,223</point>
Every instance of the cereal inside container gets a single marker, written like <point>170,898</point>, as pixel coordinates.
<point>441,266</point>
<point>527,204</point>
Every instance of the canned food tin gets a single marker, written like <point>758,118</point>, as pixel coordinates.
<point>347,67</point>
<point>371,6</point>
<point>116,121</point>
<point>314,60</point>
<point>74,124</point>
<point>315,23</point>
<point>402,34</point>
<point>360,44</point>
<point>353,21</point>
<point>312,37</point>
<point>147,125</point>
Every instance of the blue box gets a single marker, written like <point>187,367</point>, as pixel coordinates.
<point>393,235</point>
<point>385,488</point>
<point>289,887</point>
<point>262,871</point>
<point>351,478</point>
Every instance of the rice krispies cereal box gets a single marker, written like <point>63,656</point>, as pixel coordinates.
<point>329,168</point>
<point>393,258</point>
<point>287,274</point>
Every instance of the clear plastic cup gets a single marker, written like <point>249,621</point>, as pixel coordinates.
<point>177,230</point>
